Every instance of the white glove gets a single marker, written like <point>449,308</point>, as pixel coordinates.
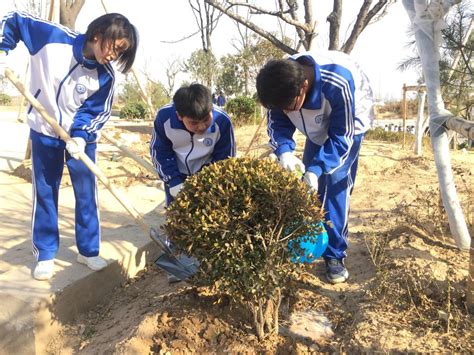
<point>76,146</point>
<point>290,162</point>
<point>3,62</point>
<point>311,180</point>
<point>174,191</point>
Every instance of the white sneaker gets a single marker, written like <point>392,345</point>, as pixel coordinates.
<point>44,270</point>
<point>95,263</point>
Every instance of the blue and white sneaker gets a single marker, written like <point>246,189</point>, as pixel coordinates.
<point>336,271</point>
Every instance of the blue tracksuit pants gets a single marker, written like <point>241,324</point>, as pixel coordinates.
<point>335,190</point>
<point>48,155</point>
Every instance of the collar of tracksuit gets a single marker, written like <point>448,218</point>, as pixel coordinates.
<point>178,124</point>
<point>313,96</point>
<point>77,49</point>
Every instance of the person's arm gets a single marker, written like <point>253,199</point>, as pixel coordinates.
<point>280,130</point>
<point>335,150</point>
<point>162,154</point>
<point>225,146</point>
<point>33,32</point>
<point>95,111</point>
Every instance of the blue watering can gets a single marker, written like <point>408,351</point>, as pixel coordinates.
<point>311,249</point>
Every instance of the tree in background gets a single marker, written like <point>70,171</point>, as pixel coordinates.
<point>231,79</point>
<point>130,95</point>
<point>238,72</point>
<point>288,12</point>
<point>456,76</point>
<point>69,11</point>
<point>38,8</point>
<point>206,19</point>
<point>173,68</point>
<point>202,66</point>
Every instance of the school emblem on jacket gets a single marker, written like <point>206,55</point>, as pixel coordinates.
<point>318,119</point>
<point>207,142</point>
<point>80,88</point>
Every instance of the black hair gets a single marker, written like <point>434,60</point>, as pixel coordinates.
<point>279,82</point>
<point>112,27</point>
<point>193,101</point>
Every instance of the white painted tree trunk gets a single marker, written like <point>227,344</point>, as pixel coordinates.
<point>420,120</point>
<point>427,20</point>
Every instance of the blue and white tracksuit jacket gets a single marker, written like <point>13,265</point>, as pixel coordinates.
<point>177,153</point>
<point>78,93</point>
<point>337,112</point>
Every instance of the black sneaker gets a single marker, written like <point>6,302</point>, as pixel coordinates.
<point>336,271</point>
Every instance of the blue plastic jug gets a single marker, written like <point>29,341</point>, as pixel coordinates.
<point>311,250</point>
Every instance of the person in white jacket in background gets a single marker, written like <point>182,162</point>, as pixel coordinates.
<point>327,97</point>
<point>72,77</point>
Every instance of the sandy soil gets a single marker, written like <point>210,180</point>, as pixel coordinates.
<point>406,290</point>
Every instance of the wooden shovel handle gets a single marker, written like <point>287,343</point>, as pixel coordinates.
<point>82,156</point>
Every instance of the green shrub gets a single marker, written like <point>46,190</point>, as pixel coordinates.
<point>237,216</point>
<point>242,109</point>
<point>134,110</point>
<point>5,99</point>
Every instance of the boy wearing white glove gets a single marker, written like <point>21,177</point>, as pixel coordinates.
<point>290,162</point>
<point>327,97</point>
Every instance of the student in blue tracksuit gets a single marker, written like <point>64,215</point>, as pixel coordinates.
<point>221,99</point>
<point>72,77</point>
<point>327,97</point>
<point>188,134</point>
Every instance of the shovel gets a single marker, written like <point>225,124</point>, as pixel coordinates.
<point>174,265</point>
<point>132,155</point>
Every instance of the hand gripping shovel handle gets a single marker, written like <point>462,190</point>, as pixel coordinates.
<point>171,263</point>
<point>82,156</point>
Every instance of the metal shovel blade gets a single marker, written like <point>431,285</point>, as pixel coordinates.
<point>176,266</point>
<point>181,266</point>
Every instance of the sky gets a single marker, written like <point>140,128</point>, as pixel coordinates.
<point>379,50</point>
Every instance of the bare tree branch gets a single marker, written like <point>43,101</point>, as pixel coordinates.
<point>286,11</point>
<point>182,39</point>
<point>364,17</point>
<point>461,126</point>
<point>280,14</point>
<point>265,34</point>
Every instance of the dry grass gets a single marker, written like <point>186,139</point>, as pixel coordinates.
<point>423,288</point>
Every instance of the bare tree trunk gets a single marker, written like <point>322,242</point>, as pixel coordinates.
<point>424,22</point>
<point>69,11</point>
<point>265,314</point>
<point>419,124</point>
<point>206,20</point>
<point>54,11</point>
<point>334,20</point>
